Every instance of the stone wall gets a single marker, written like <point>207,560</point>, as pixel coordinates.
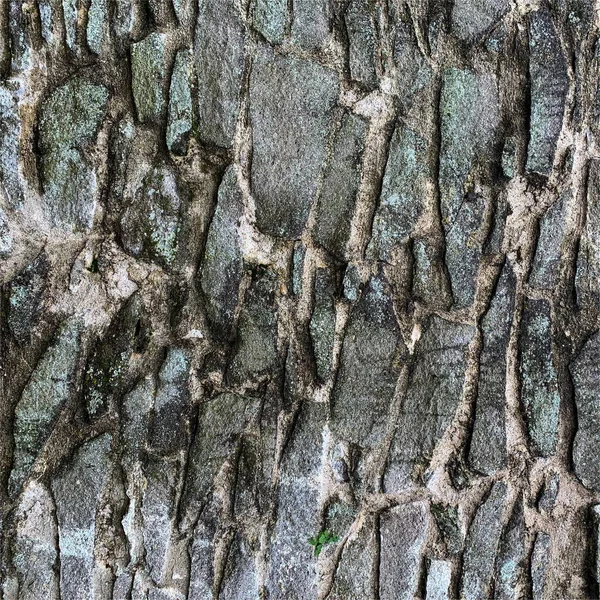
<point>278,270</point>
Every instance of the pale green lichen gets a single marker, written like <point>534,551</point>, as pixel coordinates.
<point>147,72</point>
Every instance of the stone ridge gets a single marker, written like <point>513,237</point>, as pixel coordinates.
<point>299,300</point>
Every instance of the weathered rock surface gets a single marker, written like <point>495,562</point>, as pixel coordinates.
<point>433,394</point>
<point>299,300</point>
<point>539,379</point>
<point>584,370</point>
<point>291,105</point>
<point>488,442</point>
<point>219,61</point>
<point>370,365</point>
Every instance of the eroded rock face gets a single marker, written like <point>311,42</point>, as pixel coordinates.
<point>548,91</point>
<point>370,365</point>
<point>69,121</point>
<point>223,259</point>
<point>540,383</point>
<point>219,61</point>
<point>50,386</point>
<point>299,300</point>
<point>469,109</point>
<point>488,445</point>
<point>291,104</point>
<point>433,394</point>
<point>584,370</point>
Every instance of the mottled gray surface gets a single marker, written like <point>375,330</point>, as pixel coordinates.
<point>299,300</point>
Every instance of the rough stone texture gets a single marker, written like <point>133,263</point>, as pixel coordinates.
<point>70,118</point>
<point>219,60</point>
<point>584,370</point>
<point>487,452</point>
<point>273,270</point>
<point>539,379</point>
<point>180,123</point>
<point>341,179</point>
<point>403,531</point>
<point>433,394</point>
<point>481,546</point>
<point>291,104</point>
<point>370,366</point>
<point>147,74</point>
<point>549,85</point>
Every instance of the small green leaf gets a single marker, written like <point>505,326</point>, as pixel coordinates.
<point>318,549</point>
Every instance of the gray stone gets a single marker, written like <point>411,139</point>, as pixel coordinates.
<point>341,179</point>
<point>448,524</point>
<point>549,493</point>
<point>291,104</point>
<point>219,61</point>
<point>10,134</point>
<point>221,422</point>
<point>354,574</point>
<point>292,573</point>
<point>585,370</point>
<point>595,517</point>
<point>544,271</point>
<point>34,553</point>
<point>69,120</point>
<point>472,18</point>
<point>539,565</point>
<point>50,386</point>
<point>439,579</point>
<point>312,24</point>
<point>70,18</point>
<point>6,240</point>
<point>538,377</point>
<point>70,187</point>
<point>109,362</point>
<point>434,391</point>
<point>46,14</point>
<point>150,224</point>
<point>588,258</point>
<point>403,532</point>
<point>360,21</point>
<point>414,74</point>
<point>402,193</point>
<point>470,115</point>
<point>487,452</point>
<point>352,283</point>
<point>157,513</point>
<point>482,546</point>
<point>179,121</point>
<point>137,405</point>
<point>168,428</point>
<point>549,85</point>
<point>256,355</point>
<point>25,299</point>
<point>223,265</point>
<point>322,321</point>
<point>512,559</point>
<point>509,158</point>
<point>270,17</point>
<point>370,365</point>
<point>123,20</point>
<point>202,557</point>
<point>240,580</point>
<point>148,68</point>
<point>77,490</point>
<point>97,22</point>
